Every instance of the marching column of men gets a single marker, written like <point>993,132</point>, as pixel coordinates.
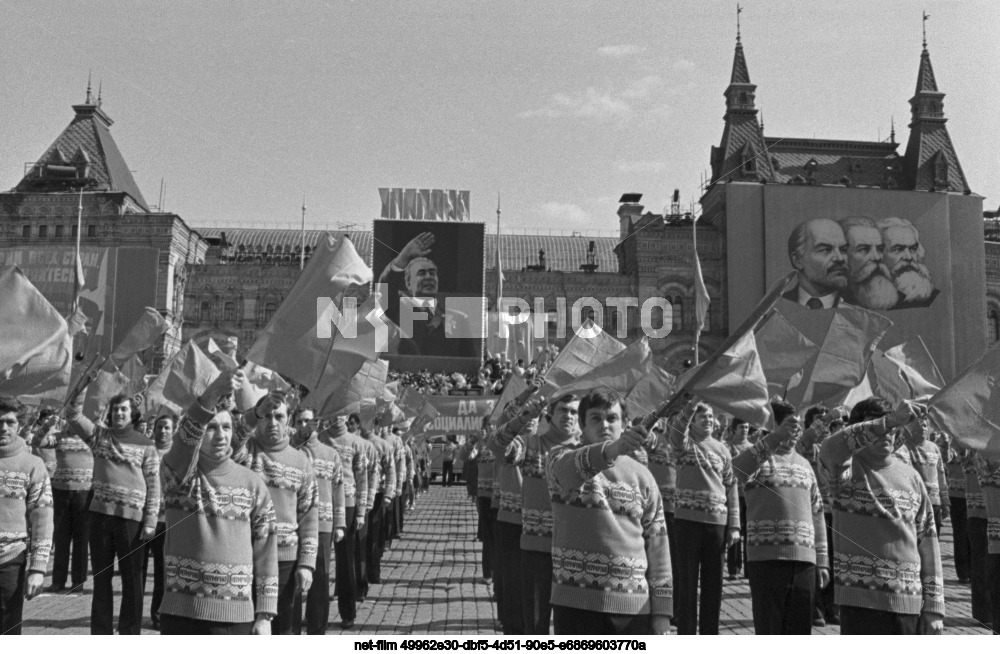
<point>850,501</point>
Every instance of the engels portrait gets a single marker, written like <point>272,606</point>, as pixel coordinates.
<point>874,264</point>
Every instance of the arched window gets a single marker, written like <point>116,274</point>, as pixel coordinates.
<point>269,310</point>
<point>206,311</point>
<point>994,326</point>
<point>229,312</point>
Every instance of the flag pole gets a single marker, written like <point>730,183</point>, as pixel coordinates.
<point>697,326</point>
<point>302,244</point>
<point>77,263</point>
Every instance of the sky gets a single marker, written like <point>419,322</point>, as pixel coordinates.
<point>557,107</point>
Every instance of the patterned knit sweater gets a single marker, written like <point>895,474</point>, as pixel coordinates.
<point>220,555</point>
<point>386,467</point>
<point>735,449</point>
<point>926,459</point>
<point>354,466</point>
<point>886,553</point>
<point>609,543</point>
<point>509,453</point>
<point>373,472</point>
<point>974,502</point>
<point>706,487</point>
<point>399,455</point>
<point>74,463</point>
<point>25,506</point>
<point>330,512</point>
<point>289,476</point>
<point>988,472</point>
<point>485,464</point>
<point>536,506</point>
<point>126,480</point>
<point>784,507</point>
<point>664,469</point>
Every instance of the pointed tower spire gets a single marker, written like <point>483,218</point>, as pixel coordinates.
<point>100,89</point>
<point>930,162</point>
<point>741,156</point>
<point>89,75</point>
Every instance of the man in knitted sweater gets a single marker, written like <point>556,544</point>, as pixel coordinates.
<point>610,557</point>
<point>988,472</point>
<point>926,459</point>
<point>707,517</point>
<point>70,490</point>
<point>354,466</point>
<point>484,493</point>
<point>25,519</point>
<point>221,541</point>
<point>887,562</point>
<point>262,442</point>
<point>738,441</point>
<point>561,429</point>
<point>956,499</point>
<point>163,437</point>
<point>786,533</point>
<point>378,516</point>
<point>124,508</point>
<point>365,528</point>
<point>330,516</point>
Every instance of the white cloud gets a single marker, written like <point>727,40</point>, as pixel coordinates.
<point>620,51</point>
<point>640,167</point>
<point>565,215</point>
<point>646,95</point>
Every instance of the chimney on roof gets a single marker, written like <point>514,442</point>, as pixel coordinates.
<point>629,212</point>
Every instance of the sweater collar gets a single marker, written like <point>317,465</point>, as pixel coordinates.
<point>212,466</point>
<point>298,441</point>
<point>272,448</point>
<point>16,446</point>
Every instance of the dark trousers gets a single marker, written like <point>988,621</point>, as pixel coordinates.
<point>318,599</point>
<point>978,548</point>
<point>347,583</point>
<point>154,550</point>
<point>570,621</point>
<point>485,535</point>
<point>960,534</point>
<point>495,562</point>
<point>736,556</point>
<point>361,560</point>
<point>536,591</point>
<point>700,548</point>
<point>112,537</point>
<point>287,590</point>
<point>12,575</point>
<point>856,621</point>
<point>782,594</point>
<point>993,584</point>
<point>176,625</point>
<point>376,542</point>
<point>826,608</point>
<point>508,536</point>
<point>72,520</point>
<point>447,472</point>
<point>672,544</point>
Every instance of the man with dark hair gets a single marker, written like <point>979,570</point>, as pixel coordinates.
<point>221,544</point>
<point>70,494</point>
<point>25,519</point>
<point>124,508</point>
<point>707,517</point>
<point>610,556</point>
<point>561,429</point>
<point>163,436</point>
<point>887,562</point>
<point>354,466</point>
<point>330,518</point>
<point>786,535</point>
<point>262,442</point>
<point>738,441</point>
<point>817,250</point>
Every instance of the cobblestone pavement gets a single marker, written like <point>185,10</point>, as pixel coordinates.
<point>431,584</point>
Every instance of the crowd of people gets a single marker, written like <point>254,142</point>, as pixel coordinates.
<point>241,513</point>
<point>590,525</point>
<point>592,521</point>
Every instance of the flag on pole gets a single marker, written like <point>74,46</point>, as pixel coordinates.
<point>220,358</point>
<point>620,373</point>
<point>143,335</point>
<point>968,408</point>
<point>109,382</point>
<point>290,343</point>
<point>735,382</point>
<point>183,379</point>
<point>515,386</point>
<point>78,277</point>
<point>783,350</point>
<point>580,356</point>
<point>917,367</point>
<point>36,349</point>
<point>701,297</point>
<point>652,390</point>
<point>338,397</point>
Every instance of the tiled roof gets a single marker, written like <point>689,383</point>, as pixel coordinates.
<point>89,132</point>
<point>565,253</point>
<point>925,78</point>
<point>741,74</point>
<point>863,162</point>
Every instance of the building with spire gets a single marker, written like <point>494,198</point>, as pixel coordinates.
<point>763,188</point>
<point>133,255</point>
